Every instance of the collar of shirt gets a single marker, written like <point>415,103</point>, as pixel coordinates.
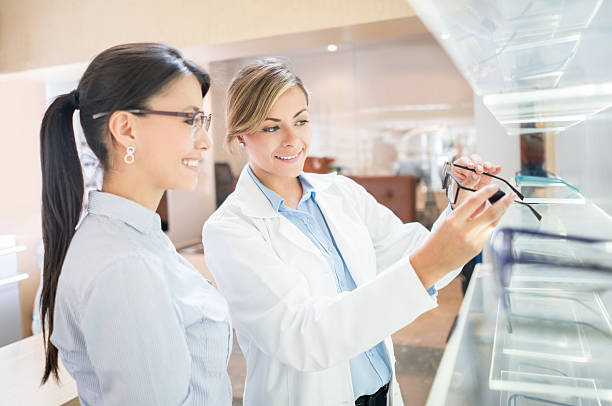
<point>276,200</point>
<point>125,210</point>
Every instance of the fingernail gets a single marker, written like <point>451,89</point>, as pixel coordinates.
<point>480,167</point>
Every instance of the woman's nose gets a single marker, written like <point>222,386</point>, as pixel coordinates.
<point>202,140</point>
<point>291,138</point>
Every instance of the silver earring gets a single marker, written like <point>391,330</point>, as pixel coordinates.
<point>128,158</point>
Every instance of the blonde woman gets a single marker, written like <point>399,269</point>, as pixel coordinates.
<point>317,274</point>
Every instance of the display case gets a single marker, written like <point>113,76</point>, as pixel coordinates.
<point>535,325</point>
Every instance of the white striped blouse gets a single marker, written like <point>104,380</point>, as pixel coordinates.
<point>135,323</point>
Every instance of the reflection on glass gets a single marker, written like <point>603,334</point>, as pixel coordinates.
<point>534,61</point>
<point>553,331</point>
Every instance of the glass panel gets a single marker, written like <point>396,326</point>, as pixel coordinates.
<point>540,64</point>
<point>541,189</point>
<point>547,337</point>
<point>553,315</point>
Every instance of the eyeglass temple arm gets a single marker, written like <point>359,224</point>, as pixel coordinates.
<point>519,194</point>
<point>534,211</point>
<point>498,195</point>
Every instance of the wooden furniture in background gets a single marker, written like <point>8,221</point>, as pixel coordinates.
<point>398,193</point>
<point>318,165</point>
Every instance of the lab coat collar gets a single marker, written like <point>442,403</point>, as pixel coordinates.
<point>128,211</point>
<point>254,203</point>
<point>277,200</point>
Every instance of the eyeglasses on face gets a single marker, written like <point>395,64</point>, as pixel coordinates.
<point>198,119</point>
<point>452,185</point>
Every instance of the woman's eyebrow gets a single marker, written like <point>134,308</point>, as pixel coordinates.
<point>298,113</point>
<point>279,120</point>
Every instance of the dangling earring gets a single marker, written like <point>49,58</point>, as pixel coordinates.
<point>128,158</point>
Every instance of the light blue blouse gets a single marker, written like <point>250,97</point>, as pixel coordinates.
<point>371,369</point>
<point>136,323</point>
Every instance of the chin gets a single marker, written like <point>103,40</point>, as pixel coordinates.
<point>290,171</point>
<point>186,184</point>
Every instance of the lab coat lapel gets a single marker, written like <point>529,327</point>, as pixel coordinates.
<point>331,206</point>
<point>295,236</point>
<point>255,204</point>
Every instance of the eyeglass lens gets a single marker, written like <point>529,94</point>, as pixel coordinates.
<point>200,121</point>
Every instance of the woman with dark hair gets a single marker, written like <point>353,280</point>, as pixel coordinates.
<point>134,323</point>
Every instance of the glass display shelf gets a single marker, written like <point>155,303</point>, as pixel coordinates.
<point>553,356</point>
<point>540,189</point>
<point>574,219</point>
<point>539,64</point>
<point>548,110</point>
<point>560,342</point>
<point>543,337</point>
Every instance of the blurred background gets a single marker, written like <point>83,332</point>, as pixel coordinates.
<point>397,89</point>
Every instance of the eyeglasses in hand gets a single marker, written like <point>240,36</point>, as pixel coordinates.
<point>453,186</point>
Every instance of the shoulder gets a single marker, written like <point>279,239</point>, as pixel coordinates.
<point>100,240</point>
<point>101,246</point>
<point>332,181</point>
<point>230,225</point>
<point>337,185</point>
<point>230,212</point>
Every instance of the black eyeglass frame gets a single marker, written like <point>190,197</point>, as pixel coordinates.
<point>498,195</point>
<point>515,190</point>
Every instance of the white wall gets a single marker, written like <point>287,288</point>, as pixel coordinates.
<point>584,158</point>
<point>492,142</point>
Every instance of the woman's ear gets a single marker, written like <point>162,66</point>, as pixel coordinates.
<point>121,126</point>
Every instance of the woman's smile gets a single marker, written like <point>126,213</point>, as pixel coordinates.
<point>289,158</point>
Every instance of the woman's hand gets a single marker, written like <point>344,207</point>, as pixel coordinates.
<point>471,179</point>
<point>460,236</point>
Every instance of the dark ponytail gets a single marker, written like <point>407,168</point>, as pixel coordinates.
<point>62,199</point>
<point>120,78</point>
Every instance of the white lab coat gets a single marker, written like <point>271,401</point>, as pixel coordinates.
<point>295,330</point>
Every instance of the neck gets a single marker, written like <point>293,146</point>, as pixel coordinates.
<point>123,185</point>
<point>289,188</point>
